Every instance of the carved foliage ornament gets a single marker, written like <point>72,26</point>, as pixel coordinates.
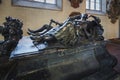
<point>75,3</point>
<point>113,9</point>
<point>12,33</point>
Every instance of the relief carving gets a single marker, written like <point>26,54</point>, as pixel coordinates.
<point>75,3</point>
<point>113,9</point>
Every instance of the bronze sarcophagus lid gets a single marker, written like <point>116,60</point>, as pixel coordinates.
<point>86,62</point>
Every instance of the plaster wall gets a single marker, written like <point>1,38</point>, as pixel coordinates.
<point>34,18</point>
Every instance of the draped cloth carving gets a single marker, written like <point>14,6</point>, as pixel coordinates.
<point>113,9</point>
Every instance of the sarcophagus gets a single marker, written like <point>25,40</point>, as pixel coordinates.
<point>77,63</point>
<point>74,50</point>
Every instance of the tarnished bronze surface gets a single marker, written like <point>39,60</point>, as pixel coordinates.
<point>75,30</point>
<point>78,63</point>
<point>78,52</point>
<point>12,33</point>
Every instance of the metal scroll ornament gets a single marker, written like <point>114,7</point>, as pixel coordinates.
<point>113,9</point>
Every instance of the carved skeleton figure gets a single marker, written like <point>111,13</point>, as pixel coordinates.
<point>113,9</point>
<point>12,32</point>
<point>74,31</point>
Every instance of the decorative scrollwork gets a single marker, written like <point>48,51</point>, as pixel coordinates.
<point>12,33</point>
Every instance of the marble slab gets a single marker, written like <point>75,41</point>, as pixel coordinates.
<point>26,47</point>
